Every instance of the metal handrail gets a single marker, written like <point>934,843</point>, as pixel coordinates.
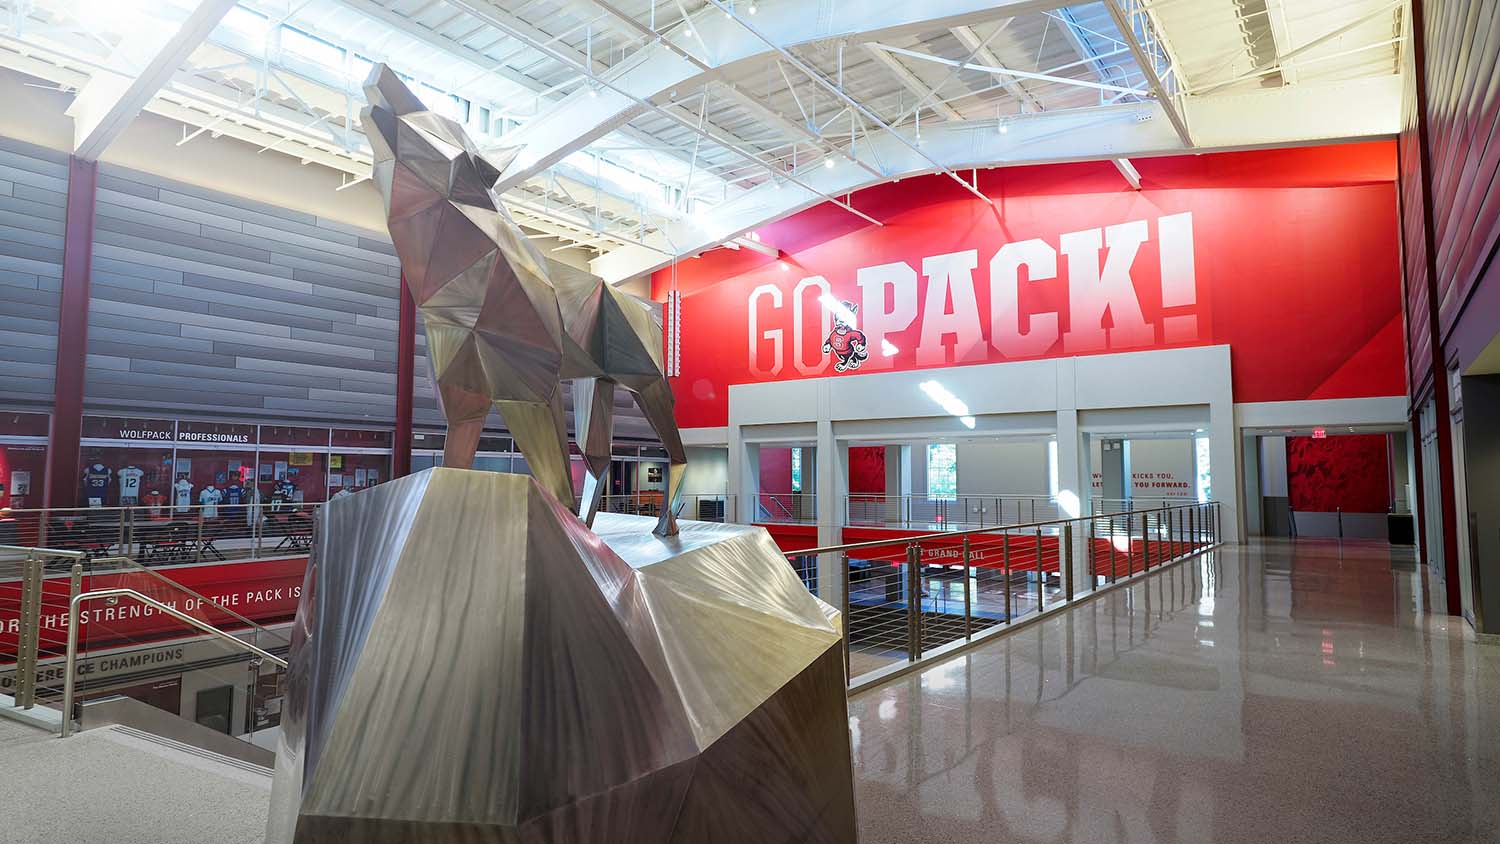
<point>949,534</point>
<point>71,664</point>
<point>45,552</point>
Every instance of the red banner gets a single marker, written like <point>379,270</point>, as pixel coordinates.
<point>1288,256</point>
<point>264,591</point>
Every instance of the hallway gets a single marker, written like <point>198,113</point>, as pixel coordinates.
<point>1274,692</point>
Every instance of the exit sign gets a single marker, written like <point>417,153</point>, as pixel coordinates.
<point>1320,433</point>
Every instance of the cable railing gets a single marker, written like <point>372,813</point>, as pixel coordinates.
<point>786,507</point>
<point>696,507</point>
<point>909,597</point>
<point>1102,506</point>
<point>38,629</point>
<point>163,534</point>
<point>941,513</point>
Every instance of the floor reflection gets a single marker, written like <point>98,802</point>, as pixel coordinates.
<point>1273,692</point>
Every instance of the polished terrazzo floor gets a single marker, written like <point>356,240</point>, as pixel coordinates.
<point>1275,692</point>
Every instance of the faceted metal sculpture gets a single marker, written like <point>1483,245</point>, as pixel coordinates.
<point>505,326</point>
<point>470,663</point>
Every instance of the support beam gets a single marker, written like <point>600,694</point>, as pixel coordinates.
<point>1273,117</point>
<point>143,63</point>
<point>1129,172</point>
<point>984,55</point>
<point>1144,42</point>
<point>406,366</point>
<point>652,73</point>
<point>910,80</point>
<point>61,486</point>
<point>816,76</point>
<point>1005,72</point>
<point>614,89</point>
<point>791,127</point>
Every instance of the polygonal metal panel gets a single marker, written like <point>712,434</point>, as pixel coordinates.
<point>471,663</point>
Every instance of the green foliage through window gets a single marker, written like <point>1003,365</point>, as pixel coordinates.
<point>942,471</point>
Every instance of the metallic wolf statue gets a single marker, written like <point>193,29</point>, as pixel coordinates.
<point>505,326</point>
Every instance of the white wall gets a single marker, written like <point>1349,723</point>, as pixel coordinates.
<point>1169,389</point>
<point>707,471</point>
<point>1002,468</point>
<point>1273,467</point>
<point>1166,468</point>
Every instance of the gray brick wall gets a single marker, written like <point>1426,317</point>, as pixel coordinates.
<point>205,303</point>
<point>33,196</point>
<point>208,303</point>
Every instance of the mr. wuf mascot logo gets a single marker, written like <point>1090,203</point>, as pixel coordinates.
<point>845,341</point>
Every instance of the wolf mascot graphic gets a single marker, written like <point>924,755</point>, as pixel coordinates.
<point>845,341</point>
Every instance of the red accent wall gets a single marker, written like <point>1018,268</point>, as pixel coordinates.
<point>1351,473</point>
<point>264,591</point>
<point>867,470</point>
<point>1295,256</point>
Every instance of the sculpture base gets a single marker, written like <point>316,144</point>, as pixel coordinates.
<point>471,663</point>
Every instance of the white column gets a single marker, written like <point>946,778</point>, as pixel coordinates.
<point>1072,469</point>
<point>1223,467</point>
<point>833,488</point>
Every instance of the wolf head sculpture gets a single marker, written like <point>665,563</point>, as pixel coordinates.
<point>505,325</point>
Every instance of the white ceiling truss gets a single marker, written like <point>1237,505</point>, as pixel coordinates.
<point>653,129</point>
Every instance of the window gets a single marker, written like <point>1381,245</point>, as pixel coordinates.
<point>796,470</point>
<point>1052,468</point>
<point>942,471</point>
<point>1205,484</point>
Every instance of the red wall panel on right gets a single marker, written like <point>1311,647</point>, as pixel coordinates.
<point>1349,473</point>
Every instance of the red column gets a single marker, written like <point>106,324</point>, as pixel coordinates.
<point>406,358</point>
<point>61,486</point>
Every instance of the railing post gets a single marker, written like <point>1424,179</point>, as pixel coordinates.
<point>913,602</point>
<point>1065,560</point>
<point>844,607</point>
<point>968,602</point>
<point>70,667</point>
<point>198,547</point>
<point>1005,554</point>
<point>26,638</point>
<point>1093,553</point>
<point>1041,592</point>
<point>1113,573</point>
<point>1146,541</point>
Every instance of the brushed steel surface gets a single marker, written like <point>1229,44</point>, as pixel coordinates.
<point>471,663</point>
<point>505,325</point>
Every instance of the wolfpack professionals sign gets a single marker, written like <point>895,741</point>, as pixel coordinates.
<point>1080,294</point>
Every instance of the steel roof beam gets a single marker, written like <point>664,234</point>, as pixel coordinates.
<point>910,80</point>
<point>140,65</point>
<point>813,74</point>
<point>1290,116</point>
<point>653,72</point>
<point>612,87</point>
<point>1137,27</point>
<point>486,64</point>
<point>1132,176</point>
<point>971,42</point>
